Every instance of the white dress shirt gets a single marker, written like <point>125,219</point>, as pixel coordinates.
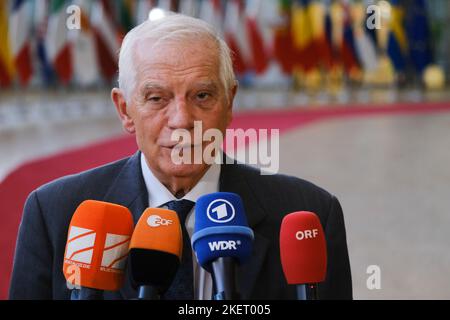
<point>158,195</point>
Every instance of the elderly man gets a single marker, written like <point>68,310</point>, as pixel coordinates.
<point>173,72</point>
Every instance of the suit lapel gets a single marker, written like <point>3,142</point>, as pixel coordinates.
<point>235,178</point>
<point>129,190</point>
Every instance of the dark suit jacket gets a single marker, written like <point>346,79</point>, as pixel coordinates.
<point>37,272</point>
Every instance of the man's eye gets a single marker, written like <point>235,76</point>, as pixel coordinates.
<point>155,99</point>
<point>203,95</point>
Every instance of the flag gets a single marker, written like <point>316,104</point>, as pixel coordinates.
<point>20,24</point>
<point>302,36</point>
<point>283,50</point>
<point>348,50</point>
<point>211,12</point>
<point>143,10</point>
<point>364,44</point>
<point>331,37</point>
<point>336,16</point>
<point>235,38</point>
<point>419,35</point>
<point>6,57</point>
<point>166,5</point>
<point>57,43</point>
<point>43,65</point>
<point>86,69</point>
<point>320,43</point>
<point>189,7</point>
<point>268,20</point>
<point>106,38</point>
<point>366,51</point>
<point>371,32</point>
<point>126,9</point>
<point>334,30</point>
<point>260,58</point>
<point>397,45</point>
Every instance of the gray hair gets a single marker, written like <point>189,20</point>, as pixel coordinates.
<point>171,27</point>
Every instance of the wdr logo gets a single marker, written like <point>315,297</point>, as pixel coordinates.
<point>223,245</point>
<point>220,211</point>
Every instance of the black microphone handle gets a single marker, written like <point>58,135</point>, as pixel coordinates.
<point>223,274</point>
<point>148,293</point>
<point>86,294</point>
<point>307,292</point>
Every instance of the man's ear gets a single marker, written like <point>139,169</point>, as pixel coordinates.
<point>122,109</point>
<point>232,94</point>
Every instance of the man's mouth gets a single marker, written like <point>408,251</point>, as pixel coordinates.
<point>180,146</point>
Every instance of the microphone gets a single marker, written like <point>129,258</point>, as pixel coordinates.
<point>96,249</point>
<point>221,239</point>
<point>155,252</point>
<point>303,251</point>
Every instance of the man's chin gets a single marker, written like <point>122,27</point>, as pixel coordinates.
<point>184,170</point>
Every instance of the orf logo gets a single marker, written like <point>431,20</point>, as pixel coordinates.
<point>307,234</point>
<point>220,211</point>
<point>156,221</point>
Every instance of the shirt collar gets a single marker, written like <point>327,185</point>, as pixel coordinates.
<point>158,194</point>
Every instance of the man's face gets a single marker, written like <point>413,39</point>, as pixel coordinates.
<point>176,84</point>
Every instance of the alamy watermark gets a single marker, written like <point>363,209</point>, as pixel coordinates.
<point>73,21</point>
<point>197,147</point>
<point>374,12</point>
<point>374,280</point>
<point>379,15</point>
<point>73,274</point>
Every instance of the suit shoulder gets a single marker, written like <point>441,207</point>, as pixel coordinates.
<point>282,183</point>
<point>101,177</point>
<point>280,194</point>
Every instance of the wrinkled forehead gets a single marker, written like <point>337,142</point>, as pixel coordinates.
<point>177,55</point>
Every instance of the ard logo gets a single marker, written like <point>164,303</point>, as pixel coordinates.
<point>220,211</point>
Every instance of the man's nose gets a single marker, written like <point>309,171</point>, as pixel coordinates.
<point>180,116</point>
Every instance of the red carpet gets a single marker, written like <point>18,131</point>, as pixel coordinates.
<point>17,185</point>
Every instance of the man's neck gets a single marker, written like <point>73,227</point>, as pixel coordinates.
<point>180,186</point>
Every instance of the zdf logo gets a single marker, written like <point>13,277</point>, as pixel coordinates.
<point>220,211</point>
<point>307,234</point>
<point>156,221</point>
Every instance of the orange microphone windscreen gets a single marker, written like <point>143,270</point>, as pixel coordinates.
<point>155,249</point>
<point>97,245</point>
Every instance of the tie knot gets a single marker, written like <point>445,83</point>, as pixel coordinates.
<point>181,207</point>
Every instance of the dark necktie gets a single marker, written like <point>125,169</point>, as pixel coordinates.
<point>182,287</point>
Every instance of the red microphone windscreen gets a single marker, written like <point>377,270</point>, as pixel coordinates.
<point>303,248</point>
<point>97,245</point>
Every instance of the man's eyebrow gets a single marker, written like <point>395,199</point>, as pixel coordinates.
<point>151,86</point>
<point>207,85</point>
<point>154,86</point>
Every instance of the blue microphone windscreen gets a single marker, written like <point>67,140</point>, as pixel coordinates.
<point>221,228</point>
